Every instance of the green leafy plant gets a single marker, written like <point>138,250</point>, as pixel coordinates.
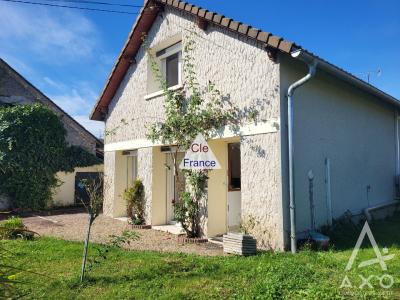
<point>13,223</point>
<point>33,149</point>
<point>188,112</point>
<point>13,228</point>
<point>134,196</point>
<point>248,224</point>
<point>115,241</point>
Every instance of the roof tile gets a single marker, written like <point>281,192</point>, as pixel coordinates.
<point>188,7</point>
<point>210,15</point>
<point>243,28</point>
<point>202,13</point>
<point>274,41</point>
<point>253,32</point>
<point>234,25</point>
<point>286,46</point>
<point>176,3</point>
<point>225,21</point>
<point>218,18</point>
<point>263,36</point>
<point>182,5</point>
<point>195,9</point>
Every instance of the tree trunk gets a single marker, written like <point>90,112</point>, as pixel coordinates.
<point>85,249</point>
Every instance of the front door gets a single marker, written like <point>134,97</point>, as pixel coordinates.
<point>174,186</point>
<point>234,187</point>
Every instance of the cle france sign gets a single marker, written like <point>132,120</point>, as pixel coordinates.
<point>199,156</point>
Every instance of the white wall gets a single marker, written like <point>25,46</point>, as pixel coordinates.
<point>355,130</point>
<point>64,195</point>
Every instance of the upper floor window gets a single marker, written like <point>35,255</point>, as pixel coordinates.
<point>169,61</point>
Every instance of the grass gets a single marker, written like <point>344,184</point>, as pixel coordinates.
<point>152,275</point>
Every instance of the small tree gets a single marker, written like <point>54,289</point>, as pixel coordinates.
<point>134,196</point>
<point>94,190</point>
<point>188,112</point>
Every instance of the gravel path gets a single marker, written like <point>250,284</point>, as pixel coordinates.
<point>71,225</point>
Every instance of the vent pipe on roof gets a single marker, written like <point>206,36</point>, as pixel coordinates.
<point>312,66</point>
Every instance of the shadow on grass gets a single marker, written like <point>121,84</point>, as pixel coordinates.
<point>344,235</point>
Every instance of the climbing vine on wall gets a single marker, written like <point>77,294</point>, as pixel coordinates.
<point>33,149</point>
<point>188,112</point>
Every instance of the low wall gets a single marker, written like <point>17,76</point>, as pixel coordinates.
<point>64,195</point>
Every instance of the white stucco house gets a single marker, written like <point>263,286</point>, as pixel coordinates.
<point>343,130</point>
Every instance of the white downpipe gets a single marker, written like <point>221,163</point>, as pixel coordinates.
<point>328,190</point>
<point>312,65</point>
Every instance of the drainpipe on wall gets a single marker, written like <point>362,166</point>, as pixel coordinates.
<point>312,66</point>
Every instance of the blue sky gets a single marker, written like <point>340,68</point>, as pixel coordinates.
<point>68,54</point>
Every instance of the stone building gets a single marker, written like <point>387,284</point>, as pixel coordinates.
<point>16,90</point>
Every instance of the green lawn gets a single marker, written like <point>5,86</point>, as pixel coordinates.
<point>151,275</point>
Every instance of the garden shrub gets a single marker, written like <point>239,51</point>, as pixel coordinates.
<point>134,196</point>
<point>13,228</point>
<point>33,149</point>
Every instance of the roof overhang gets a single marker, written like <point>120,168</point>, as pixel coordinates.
<point>143,23</point>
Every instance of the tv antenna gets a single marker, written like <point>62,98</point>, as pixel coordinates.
<point>376,73</point>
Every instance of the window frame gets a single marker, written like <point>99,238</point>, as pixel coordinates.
<point>131,162</point>
<point>162,56</point>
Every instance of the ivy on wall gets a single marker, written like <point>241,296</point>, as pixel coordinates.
<point>33,149</point>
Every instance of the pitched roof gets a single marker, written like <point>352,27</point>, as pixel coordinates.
<point>146,18</point>
<point>40,97</point>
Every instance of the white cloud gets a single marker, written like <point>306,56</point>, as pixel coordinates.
<point>53,83</point>
<point>52,48</point>
<point>95,127</point>
<point>76,101</point>
<point>52,35</point>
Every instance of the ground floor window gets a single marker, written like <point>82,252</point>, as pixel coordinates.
<point>131,167</point>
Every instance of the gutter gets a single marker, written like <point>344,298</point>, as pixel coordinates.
<point>312,67</point>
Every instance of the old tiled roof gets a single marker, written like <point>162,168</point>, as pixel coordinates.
<point>144,22</point>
